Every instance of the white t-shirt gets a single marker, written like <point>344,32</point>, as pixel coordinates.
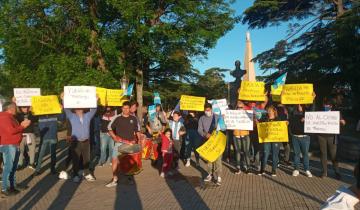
<point>343,199</point>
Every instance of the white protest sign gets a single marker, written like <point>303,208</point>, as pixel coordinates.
<point>220,103</point>
<point>0,106</point>
<point>322,122</point>
<point>80,97</point>
<point>23,95</point>
<point>239,120</point>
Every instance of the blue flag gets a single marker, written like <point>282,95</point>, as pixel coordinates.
<point>152,112</point>
<point>157,99</point>
<point>279,81</point>
<point>259,113</point>
<point>129,90</point>
<point>221,121</point>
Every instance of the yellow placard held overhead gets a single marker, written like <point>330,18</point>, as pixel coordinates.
<point>192,103</point>
<point>276,93</point>
<point>297,94</point>
<point>115,97</point>
<point>276,131</point>
<point>252,91</point>
<point>42,105</point>
<point>213,147</point>
<point>101,93</point>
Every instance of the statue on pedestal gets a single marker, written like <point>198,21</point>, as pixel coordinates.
<point>238,73</point>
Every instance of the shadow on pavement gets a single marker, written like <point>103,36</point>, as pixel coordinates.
<point>127,196</point>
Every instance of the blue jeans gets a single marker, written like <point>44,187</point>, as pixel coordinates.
<point>106,143</point>
<point>301,144</point>
<point>47,143</point>
<point>11,158</point>
<point>275,148</point>
<point>192,142</point>
<point>242,144</point>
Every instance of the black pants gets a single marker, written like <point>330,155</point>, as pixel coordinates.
<point>328,142</point>
<point>78,149</point>
<point>177,152</point>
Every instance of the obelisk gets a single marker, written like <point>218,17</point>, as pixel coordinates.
<point>248,63</point>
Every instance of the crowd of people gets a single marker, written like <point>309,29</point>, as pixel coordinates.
<point>98,136</point>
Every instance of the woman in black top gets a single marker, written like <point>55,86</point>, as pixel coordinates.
<point>192,141</point>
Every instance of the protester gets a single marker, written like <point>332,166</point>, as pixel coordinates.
<point>284,116</point>
<point>156,125</point>
<point>207,124</point>
<point>274,147</point>
<point>178,130</point>
<point>10,138</point>
<point>300,141</point>
<point>193,140</point>
<point>80,145</point>
<point>345,198</point>
<point>329,142</point>
<point>95,139</point>
<point>28,139</point>
<point>48,126</point>
<point>167,149</point>
<point>106,142</point>
<point>124,130</point>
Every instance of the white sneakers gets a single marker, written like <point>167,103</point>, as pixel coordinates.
<point>307,173</point>
<point>112,183</point>
<point>295,173</point>
<point>90,178</point>
<point>162,175</point>
<point>187,163</point>
<point>208,178</point>
<point>218,181</point>
<point>63,175</point>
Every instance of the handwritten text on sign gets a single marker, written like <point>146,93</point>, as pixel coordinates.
<point>297,94</point>
<point>115,97</point>
<point>80,97</point>
<point>276,131</point>
<point>322,122</point>
<point>213,147</point>
<point>23,95</point>
<point>239,120</point>
<point>42,105</point>
<point>252,91</point>
<point>192,103</point>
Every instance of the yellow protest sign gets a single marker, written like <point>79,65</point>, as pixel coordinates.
<point>101,93</point>
<point>115,97</point>
<point>42,105</point>
<point>252,91</point>
<point>276,131</point>
<point>297,94</point>
<point>192,103</point>
<point>213,147</point>
<point>276,93</point>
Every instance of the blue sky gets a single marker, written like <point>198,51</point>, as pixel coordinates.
<point>231,47</point>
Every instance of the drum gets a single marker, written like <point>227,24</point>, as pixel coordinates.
<point>130,164</point>
<point>146,150</point>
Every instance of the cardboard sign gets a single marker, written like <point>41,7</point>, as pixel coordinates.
<point>23,95</point>
<point>152,112</point>
<point>101,93</point>
<point>276,93</point>
<point>322,122</point>
<point>42,105</point>
<point>276,131</point>
<point>80,97</point>
<point>213,147</point>
<point>297,94</point>
<point>115,97</point>
<point>252,91</point>
<point>239,120</point>
<point>219,104</point>
<point>192,103</point>
<point>157,99</point>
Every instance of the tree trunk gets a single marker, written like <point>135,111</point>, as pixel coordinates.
<point>340,7</point>
<point>139,91</point>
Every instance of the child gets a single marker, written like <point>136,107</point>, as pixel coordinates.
<point>167,152</point>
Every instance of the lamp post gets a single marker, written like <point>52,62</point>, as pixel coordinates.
<point>124,81</point>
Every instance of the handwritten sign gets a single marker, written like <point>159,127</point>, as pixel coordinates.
<point>157,99</point>
<point>115,97</point>
<point>276,93</point>
<point>152,112</point>
<point>219,105</point>
<point>252,91</point>
<point>322,122</point>
<point>213,147</point>
<point>239,120</point>
<point>80,97</point>
<point>23,95</point>
<point>192,103</point>
<point>42,105</point>
<point>297,94</point>
<point>276,131</point>
<point>101,93</point>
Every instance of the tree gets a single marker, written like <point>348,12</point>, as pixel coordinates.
<point>212,84</point>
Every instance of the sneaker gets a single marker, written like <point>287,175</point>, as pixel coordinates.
<point>63,175</point>
<point>21,187</point>
<point>218,181</point>
<point>238,171</point>
<point>273,173</point>
<point>90,178</point>
<point>187,163</point>
<point>76,179</point>
<point>112,183</point>
<point>32,166</point>
<point>208,178</point>
<point>7,193</point>
<point>308,173</point>
<point>13,190</point>
<point>261,172</point>
<point>295,173</point>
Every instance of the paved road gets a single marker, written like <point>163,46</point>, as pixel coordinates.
<point>184,190</point>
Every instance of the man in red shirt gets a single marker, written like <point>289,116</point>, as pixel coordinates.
<point>10,138</point>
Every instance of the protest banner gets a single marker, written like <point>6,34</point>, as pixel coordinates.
<point>115,97</point>
<point>80,97</point>
<point>152,112</point>
<point>276,131</point>
<point>42,105</point>
<point>322,122</point>
<point>23,95</point>
<point>297,94</point>
<point>239,120</point>
<point>213,147</point>
<point>219,105</point>
<point>101,93</point>
<point>276,88</point>
<point>252,91</point>
<point>192,103</point>
<point>157,99</point>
